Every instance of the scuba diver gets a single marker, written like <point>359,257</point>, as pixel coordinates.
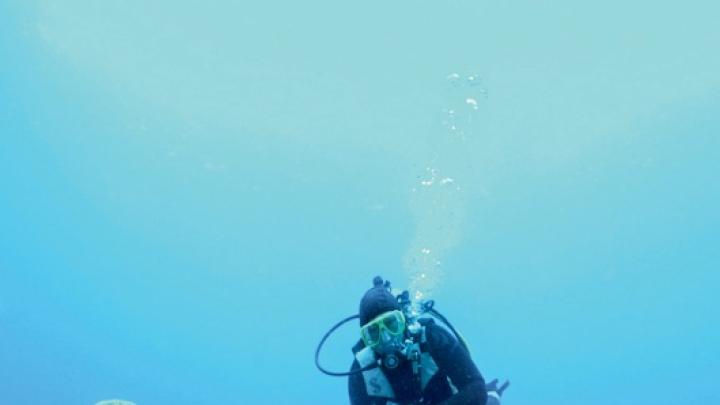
<point>405,359</point>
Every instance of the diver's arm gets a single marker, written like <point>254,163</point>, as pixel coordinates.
<point>455,361</point>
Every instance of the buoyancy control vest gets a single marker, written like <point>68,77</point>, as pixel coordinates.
<point>376,382</point>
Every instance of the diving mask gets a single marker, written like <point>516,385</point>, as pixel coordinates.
<point>392,322</point>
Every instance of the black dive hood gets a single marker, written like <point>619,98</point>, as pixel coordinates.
<point>410,314</point>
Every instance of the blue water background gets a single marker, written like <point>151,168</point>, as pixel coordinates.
<point>191,194</point>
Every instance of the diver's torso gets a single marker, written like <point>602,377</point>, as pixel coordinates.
<point>408,391</point>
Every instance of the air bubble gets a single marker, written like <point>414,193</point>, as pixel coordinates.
<point>453,78</point>
<point>473,80</point>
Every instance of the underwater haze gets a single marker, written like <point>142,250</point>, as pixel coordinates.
<point>192,193</point>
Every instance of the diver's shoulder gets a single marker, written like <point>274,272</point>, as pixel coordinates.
<point>432,327</point>
<point>434,333</point>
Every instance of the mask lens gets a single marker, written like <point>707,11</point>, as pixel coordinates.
<point>392,324</point>
<point>371,334</point>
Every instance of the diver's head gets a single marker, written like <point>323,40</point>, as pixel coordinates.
<point>377,301</point>
<point>382,323</point>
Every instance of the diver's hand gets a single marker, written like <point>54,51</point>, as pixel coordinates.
<point>494,393</point>
<point>492,386</point>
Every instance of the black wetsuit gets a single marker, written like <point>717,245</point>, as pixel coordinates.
<point>453,362</point>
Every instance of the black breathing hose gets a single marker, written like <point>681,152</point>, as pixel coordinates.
<point>317,352</point>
